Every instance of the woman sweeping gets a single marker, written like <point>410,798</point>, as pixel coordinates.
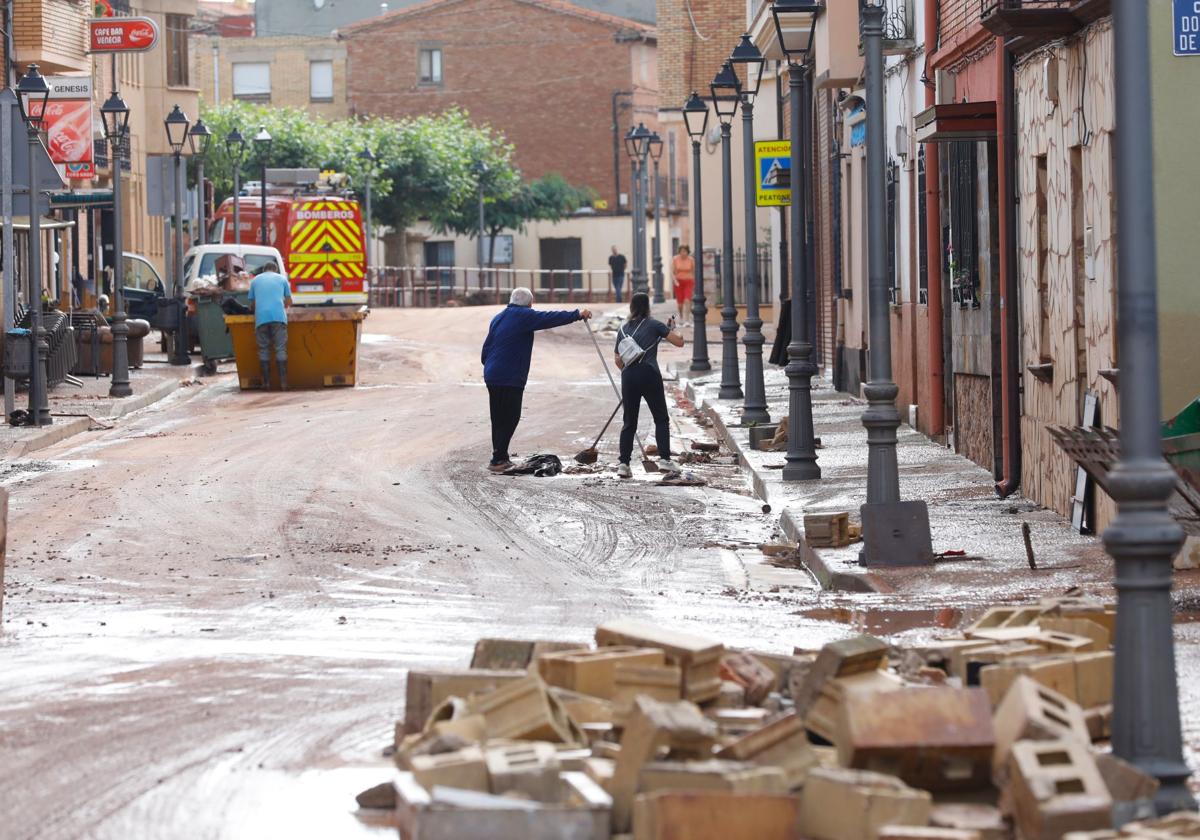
<point>637,359</point>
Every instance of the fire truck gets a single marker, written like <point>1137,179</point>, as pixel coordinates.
<point>316,226</point>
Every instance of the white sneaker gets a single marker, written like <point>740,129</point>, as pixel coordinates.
<point>669,466</point>
<point>623,471</point>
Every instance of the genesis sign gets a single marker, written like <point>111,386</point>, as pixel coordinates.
<point>126,34</point>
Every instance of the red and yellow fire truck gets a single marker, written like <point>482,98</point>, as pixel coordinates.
<point>317,229</point>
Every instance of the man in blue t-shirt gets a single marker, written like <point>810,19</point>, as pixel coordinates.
<point>270,297</point>
<point>506,355</point>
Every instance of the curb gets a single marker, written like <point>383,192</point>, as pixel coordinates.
<point>789,522</point>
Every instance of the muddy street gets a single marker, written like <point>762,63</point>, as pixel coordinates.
<point>224,592</point>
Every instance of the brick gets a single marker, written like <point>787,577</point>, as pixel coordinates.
<point>711,774</point>
<point>911,832</point>
<point>715,815</point>
<point>1085,627</point>
<point>679,726</point>
<point>1032,712</point>
<point>1055,788</point>
<point>584,708</point>
<point>823,718</point>
<point>1103,613</point>
<point>698,657</point>
<point>1094,679</point>
<point>593,671</point>
<point>744,669</point>
<point>841,804</point>
<point>465,768</point>
<point>975,660</point>
<point>843,658</point>
<point>514,654</point>
<point>1056,642</point>
<point>933,738</point>
<point>1054,672</point>
<point>985,820</point>
<point>599,770</point>
<point>529,769</point>
<point>1099,722</point>
<point>782,743</point>
<point>427,689</point>
<point>732,696</point>
<point>827,530</point>
<point>659,682</point>
<point>734,723</point>
<point>1004,617</point>
<point>524,710</point>
<point>1180,824</point>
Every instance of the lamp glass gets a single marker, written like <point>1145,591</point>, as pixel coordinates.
<point>795,21</point>
<point>695,116</point>
<point>726,90</point>
<point>176,124</point>
<point>199,137</point>
<point>656,146</point>
<point>115,114</point>
<point>749,60</point>
<point>33,92</point>
<point>236,144</point>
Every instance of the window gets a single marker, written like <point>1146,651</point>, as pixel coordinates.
<point>177,51</point>
<point>963,260</point>
<point>1043,259</point>
<point>429,66</point>
<point>252,81</point>
<point>320,81</point>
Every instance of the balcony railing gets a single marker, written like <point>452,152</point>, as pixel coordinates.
<point>898,32</point>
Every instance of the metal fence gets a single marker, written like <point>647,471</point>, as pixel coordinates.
<point>423,286</point>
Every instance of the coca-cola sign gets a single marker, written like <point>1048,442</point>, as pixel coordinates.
<point>123,34</point>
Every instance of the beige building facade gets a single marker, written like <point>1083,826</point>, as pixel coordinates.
<point>308,73</point>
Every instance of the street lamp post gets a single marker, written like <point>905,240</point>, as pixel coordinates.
<point>33,92</point>
<point>881,418</point>
<point>794,22</point>
<point>368,158</point>
<point>656,148</point>
<point>637,146</point>
<point>235,144</point>
<point>480,169</point>
<point>115,114</point>
<point>198,138</point>
<point>1144,537</point>
<point>262,147</point>
<point>726,92</point>
<point>695,116</point>
<point>176,124</point>
<point>754,408</point>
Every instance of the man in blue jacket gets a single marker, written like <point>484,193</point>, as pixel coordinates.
<point>506,354</point>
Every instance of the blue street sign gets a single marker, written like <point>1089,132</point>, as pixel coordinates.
<point>1186,39</point>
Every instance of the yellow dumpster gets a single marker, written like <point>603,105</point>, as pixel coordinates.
<point>322,346</point>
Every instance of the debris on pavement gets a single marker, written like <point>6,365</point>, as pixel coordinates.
<point>997,731</point>
<point>542,466</point>
<point>682,478</point>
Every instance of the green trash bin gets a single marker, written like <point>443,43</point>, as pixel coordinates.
<point>215,342</point>
<point>1181,443</point>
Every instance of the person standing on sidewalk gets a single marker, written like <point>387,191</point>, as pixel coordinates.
<point>641,379</point>
<point>683,269</point>
<point>616,264</point>
<point>506,355</point>
<point>270,298</point>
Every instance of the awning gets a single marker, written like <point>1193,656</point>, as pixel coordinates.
<point>956,121</point>
<point>22,223</point>
<point>88,198</point>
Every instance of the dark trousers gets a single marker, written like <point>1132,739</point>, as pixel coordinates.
<point>505,405</point>
<point>618,281</point>
<point>638,382</point>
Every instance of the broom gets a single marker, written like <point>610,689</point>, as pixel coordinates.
<point>648,465</point>
<point>589,455</point>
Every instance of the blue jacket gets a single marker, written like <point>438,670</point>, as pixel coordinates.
<point>509,344</point>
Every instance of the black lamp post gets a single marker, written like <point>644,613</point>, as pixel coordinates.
<point>368,160</point>
<point>177,126</point>
<point>794,23</point>
<point>695,117</point>
<point>480,169</point>
<point>115,114</point>
<point>262,147</point>
<point>656,148</point>
<point>199,138</point>
<point>747,59</point>
<point>881,418</point>
<point>726,92</point>
<point>1144,537</point>
<point>637,146</point>
<point>33,92</point>
<point>235,144</point>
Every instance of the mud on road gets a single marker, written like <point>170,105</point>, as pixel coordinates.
<point>222,595</point>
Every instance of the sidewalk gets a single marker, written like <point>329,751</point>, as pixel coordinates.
<point>964,512</point>
<point>76,410</point>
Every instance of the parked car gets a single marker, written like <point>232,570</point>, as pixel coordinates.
<point>201,260</point>
<point>142,287</point>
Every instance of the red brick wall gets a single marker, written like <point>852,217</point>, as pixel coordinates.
<point>686,61</point>
<point>543,78</point>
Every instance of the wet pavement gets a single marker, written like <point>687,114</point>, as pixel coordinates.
<point>210,609</point>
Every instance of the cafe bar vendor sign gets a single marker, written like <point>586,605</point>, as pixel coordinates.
<point>123,34</point>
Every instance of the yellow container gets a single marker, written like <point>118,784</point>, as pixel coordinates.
<point>322,346</point>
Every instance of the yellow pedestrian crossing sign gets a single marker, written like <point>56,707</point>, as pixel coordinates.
<point>773,163</point>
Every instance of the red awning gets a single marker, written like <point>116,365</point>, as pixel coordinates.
<point>956,121</point>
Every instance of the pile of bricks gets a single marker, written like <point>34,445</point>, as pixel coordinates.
<point>996,732</point>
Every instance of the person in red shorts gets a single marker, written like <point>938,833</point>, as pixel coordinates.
<point>683,268</point>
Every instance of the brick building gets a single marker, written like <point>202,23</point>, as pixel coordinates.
<point>549,75</point>
<point>694,38</point>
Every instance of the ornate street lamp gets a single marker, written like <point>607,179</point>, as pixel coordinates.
<point>637,146</point>
<point>1144,537</point>
<point>695,117</point>
<point>235,146</point>
<point>33,92</point>
<point>656,148</point>
<point>747,62</point>
<point>177,124</point>
<point>115,114</point>
<point>262,148</point>
<point>199,138</point>
<point>726,92</point>
<point>881,418</point>
<point>480,170</point>
<point>794,23</point>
